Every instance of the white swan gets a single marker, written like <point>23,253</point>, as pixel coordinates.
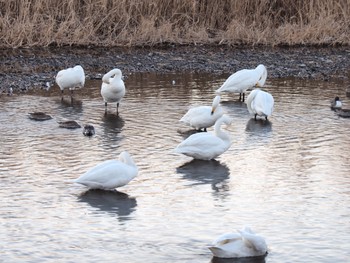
<point>203,117</point>
<point>244,79</point>
<point>244,243</point>
<point>71,78</point>
<point>110,174</point>
<point>260,103</point>
<point>206,146</point>
<point>112,88</point>
<point>336,103</point>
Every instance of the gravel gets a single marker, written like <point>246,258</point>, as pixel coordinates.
<point>26,69</point>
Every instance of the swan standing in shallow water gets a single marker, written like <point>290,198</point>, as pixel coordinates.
<point>244,243</point>
<point>113,88</point>
<point>71,78</point>
<point>260,103</point>
<point>110,174</point>
<point>243,80</point>
<point>203,117</point>
<point>207,146</point>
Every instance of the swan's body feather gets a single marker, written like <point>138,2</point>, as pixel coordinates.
<point>244,243</point>
<point>203,117</point>
<point>110,174</point>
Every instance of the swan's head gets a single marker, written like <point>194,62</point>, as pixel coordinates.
<point>225,119</point>
<point>115,73</point>
<point>215,104</point>
<point>261,69</point>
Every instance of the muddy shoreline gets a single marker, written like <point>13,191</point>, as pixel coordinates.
<point>26,69</point>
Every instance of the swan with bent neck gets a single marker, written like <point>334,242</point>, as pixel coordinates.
<point>207,145</point>
<point>244,79</point>
<point>71,78</point>
<point>203,117</point>
<point>112,88</point>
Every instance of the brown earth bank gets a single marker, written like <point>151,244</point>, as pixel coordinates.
<point>25,69</point>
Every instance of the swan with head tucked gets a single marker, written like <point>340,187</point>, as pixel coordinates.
<point>260,103</point>
<point>110,174</point>
<point>243,80</point>
<point>244,243</point>
<point>112,88</point>
<point>207,146</point>
<point>203,117</point>
<point>71,78</point>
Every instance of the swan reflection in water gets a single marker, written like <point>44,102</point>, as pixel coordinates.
<point>69,106</point>
<point>260,259</point>
<point>112,123</point>
<point>206,172</point>
<point>258,126</point>
<point>113,202</point>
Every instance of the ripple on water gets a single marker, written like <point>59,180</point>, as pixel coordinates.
<point>286,177</point>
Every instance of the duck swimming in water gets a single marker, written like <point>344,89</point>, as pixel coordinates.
<point>88,130</point>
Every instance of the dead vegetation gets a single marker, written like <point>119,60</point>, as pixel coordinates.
<point>27,23</point>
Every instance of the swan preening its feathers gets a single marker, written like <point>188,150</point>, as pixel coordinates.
<point>207,146</point>
<point>203,117</point>
<point>243,80</point>
<point>110,174</point>
<point>244,243</point>
<point>112,88</point>
<point>71,78</point>
<point>260,103</point>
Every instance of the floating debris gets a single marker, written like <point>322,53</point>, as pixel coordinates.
<point>39,116</point>
<point>69,124</point>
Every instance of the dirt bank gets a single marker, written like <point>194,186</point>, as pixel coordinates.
<point>25,69</point>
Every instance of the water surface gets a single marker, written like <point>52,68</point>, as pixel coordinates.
<point>287,178</point>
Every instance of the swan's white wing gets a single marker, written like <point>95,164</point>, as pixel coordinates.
<point>109,174</point>
<point>239,81</point>
<point>202,146</point>
<point>263,103</point>
<point>255,242</point>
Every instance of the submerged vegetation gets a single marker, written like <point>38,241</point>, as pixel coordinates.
<point>28,23</point>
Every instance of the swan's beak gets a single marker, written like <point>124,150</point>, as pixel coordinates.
<point>258,85</point>
<point>212,110</point>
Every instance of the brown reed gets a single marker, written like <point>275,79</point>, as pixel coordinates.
<point>27,23</point>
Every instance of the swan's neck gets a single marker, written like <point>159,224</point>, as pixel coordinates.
<point>126,158</point>
<point>107,77</point>
<point>220,133</point>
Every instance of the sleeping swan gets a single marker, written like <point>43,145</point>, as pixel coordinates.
<point>203,117</point>
<point>207,146</point>
<point>110,174</point>
<point>260,103</point>
<point>71,78</point>
<point>243,80</point>
<point>244,243</point>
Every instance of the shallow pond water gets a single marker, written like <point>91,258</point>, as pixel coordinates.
<point>287,178</point>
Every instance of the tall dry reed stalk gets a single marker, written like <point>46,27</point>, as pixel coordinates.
<point>25,23</point>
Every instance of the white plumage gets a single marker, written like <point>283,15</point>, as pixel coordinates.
<point>203,117</point>
<point>110,174</point>
<point>244,243</point>
<point>260,103</point>
<point>207,146</point>
<point>243,80</point>
<point>71,78</point>
<point>113,88</point>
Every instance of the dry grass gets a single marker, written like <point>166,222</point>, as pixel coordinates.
<point>25,23</point>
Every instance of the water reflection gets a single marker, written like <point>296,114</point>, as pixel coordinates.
<point>112,202</point>
<point>239,260</point>
<point>70,106</point>
<point>206,172</point>
<point>258,126</point>
<point>112,123</point>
